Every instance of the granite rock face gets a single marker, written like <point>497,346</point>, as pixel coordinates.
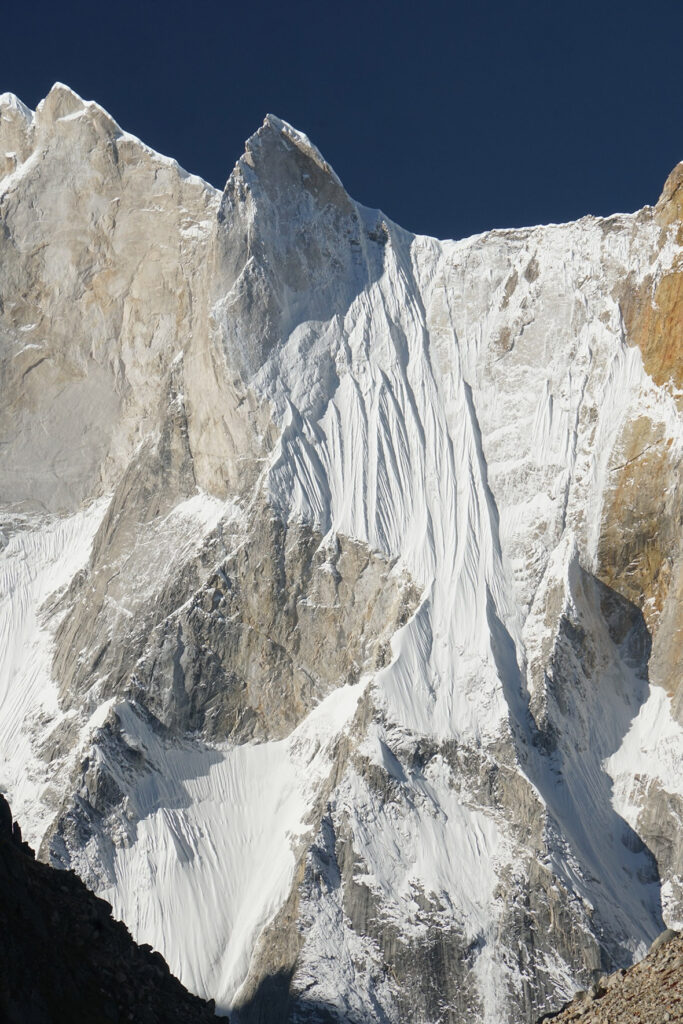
<point>340,607</point>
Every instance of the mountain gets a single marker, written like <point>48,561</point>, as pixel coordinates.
<point>62,957</point>
<point>340,621</point>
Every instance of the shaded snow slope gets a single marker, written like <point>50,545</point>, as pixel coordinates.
<point>37,561</point>
<point>63,958</point>
<point>347,705</point>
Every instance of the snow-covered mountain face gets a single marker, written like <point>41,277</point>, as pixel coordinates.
<point>341,576</point>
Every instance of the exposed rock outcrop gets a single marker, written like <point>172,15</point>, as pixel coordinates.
<point>650,992</point>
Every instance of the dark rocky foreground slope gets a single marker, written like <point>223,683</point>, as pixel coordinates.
<point>650,992</point>
<point>64,959</point>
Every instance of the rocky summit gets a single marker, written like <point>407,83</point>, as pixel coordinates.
<point>341,576</point>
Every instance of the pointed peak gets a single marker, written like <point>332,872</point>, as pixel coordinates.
<point>276,137</point>
<point>62,102</point>
<point>11,106</point>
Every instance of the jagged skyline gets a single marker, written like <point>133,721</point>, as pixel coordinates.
<point>504,116</point>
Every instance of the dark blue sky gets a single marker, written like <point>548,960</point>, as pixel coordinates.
<point>452,117</point>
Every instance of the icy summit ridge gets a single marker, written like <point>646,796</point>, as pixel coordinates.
<point>344,562</point>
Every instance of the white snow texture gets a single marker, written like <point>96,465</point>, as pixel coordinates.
<point>458,406</point>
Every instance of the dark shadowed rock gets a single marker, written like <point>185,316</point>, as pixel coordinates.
<point>65,960</point>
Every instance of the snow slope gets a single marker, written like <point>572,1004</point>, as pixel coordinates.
<point>35,563</point>
<point>347,707</point>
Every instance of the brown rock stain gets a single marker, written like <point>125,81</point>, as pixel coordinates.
<point>652,310</point>
<point>653,318</point>
<point>669,208</point>
<point>640,550</point>
<point>640,533</point>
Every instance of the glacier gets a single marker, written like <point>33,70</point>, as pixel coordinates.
<point>340,576</point>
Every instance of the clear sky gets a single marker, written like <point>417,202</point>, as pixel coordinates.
<point>453,117</point>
